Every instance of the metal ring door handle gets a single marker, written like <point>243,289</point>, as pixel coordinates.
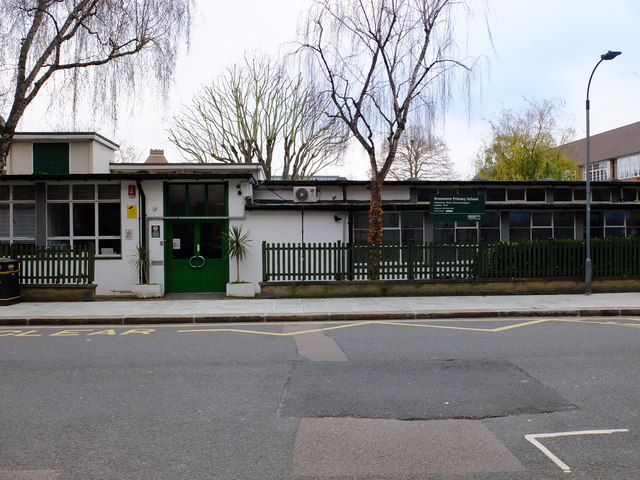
<point>191,263</point>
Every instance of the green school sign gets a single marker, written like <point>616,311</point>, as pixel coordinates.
<point>462,207</point>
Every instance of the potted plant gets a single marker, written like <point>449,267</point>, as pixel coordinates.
<point>238,249</point>
<point>144,289</point>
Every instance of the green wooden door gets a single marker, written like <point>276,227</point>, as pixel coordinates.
<point>51,158</point>
<point>195,256</point>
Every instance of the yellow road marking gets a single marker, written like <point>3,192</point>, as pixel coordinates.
<point>402,324</point>
<point>335,325</point>
<point>275,334</point>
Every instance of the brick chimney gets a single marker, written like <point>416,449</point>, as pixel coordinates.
<point>156,156</point>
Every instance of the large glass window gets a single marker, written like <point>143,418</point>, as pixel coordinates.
<point>519,226</point>
<point>629,167</point>
<point>468,233</point>
<point>196,200</point>
<point>563,225</point>
<point>545,225</point>
<point>490,227</point>
<point>397,227</point>
<point>17,214</point>
<point>82,214</point>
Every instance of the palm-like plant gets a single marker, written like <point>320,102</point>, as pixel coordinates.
<point>238,246</point>
<point>141,261</point>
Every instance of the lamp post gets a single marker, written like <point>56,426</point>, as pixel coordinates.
<point>610,55</point>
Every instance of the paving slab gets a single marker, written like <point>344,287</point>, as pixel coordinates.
<point>189,309</point>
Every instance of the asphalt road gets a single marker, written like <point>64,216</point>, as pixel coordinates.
<point>483,399</point>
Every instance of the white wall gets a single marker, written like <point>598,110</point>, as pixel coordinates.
<point>80,157</point>
<point>275,226</point>
<point>117,274</point>
<point>100,157</point>
<point>20,161</point>
<point>153,190</point>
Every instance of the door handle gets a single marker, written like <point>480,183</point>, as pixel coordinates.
<point>197,261</point>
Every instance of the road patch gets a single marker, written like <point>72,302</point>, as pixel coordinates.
<point>416,390</point>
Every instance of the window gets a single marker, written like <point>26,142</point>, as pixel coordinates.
<point>562,195</point>
<point>614,224</point>
<point>397,227</point>
<point>519,226</point>
<point>515,194</point>
<point>536,195</point>
<point>196,200</point>
<point>633,223</point>
<point>629,167</point>
<point>601,195</point>
<point>82,214</point>
<point>468,233</point>
<point>17,214</point>
<point>462,233</point>
<point>424,194</point>
<point>600,171</point>
<point>629,194</point>
<point>563,225</point>
<point>51,158</point>
<point>541,225</point>
<point>495,195</point>
<point>490,227</point>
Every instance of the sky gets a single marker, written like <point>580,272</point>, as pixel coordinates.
<point>542,49</point>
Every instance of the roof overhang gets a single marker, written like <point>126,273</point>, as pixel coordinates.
<point>64,137</point>
<point>255,170</point>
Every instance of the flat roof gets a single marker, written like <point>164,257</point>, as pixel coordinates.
<point>65,136</point>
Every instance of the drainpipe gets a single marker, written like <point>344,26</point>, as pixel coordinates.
<point>142,224</point>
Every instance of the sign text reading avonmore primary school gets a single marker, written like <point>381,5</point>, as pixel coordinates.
<point>462,207</point>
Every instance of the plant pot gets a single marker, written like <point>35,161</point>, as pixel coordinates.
<point>147,290</point>
<point>245,290</point>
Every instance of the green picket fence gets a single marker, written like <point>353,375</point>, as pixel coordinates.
<point>340,261</point>
<point>618,257</point>
<point>53,265</point>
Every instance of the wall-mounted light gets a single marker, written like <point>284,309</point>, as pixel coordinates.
<point>337,218</point>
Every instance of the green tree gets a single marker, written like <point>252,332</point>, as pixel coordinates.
<point>524,145</point>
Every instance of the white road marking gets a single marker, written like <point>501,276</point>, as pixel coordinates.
<point>533,439</point>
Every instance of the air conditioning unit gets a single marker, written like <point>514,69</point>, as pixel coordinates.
<point>305,194</point>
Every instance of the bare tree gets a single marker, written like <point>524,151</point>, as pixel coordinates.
<point>128,154</point>
<point>80,44</point>
<point>254,111</point>
<point>422,155</point>
<point>384,62</point>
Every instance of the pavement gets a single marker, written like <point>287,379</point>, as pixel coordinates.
<point>208,309</point>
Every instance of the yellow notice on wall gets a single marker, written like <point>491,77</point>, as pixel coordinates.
<point>132,211</point>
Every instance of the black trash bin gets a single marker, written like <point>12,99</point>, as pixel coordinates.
<point>9,281</point>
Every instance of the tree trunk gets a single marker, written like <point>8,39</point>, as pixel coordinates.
<point>6,138</point>
<point>375,227</point>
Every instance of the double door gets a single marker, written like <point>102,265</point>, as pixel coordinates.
<point>195,254</point>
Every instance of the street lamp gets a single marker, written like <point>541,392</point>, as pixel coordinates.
<point>610,55</point>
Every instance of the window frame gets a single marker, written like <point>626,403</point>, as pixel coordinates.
<point>73,199</point>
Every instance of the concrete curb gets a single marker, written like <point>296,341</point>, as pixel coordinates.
<point>312,317</point>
